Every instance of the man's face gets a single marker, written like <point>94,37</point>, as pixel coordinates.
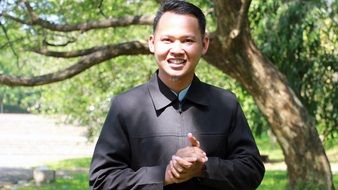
<point>177,45</point>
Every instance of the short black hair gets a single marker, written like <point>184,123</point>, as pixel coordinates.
<point>180,7</point>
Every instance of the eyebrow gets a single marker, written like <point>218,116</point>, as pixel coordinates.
<point>185,36</point>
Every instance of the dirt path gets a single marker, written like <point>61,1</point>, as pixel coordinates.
<point>28,140</point>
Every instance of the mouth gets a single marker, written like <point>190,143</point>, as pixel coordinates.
<point>176,63</point>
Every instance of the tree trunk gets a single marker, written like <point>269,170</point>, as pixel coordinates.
<point>233,51</point>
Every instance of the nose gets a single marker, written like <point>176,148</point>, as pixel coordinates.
<point>177,48</point>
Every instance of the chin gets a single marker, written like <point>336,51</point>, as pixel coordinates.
<point>174,78</point>
<point>175,74</point>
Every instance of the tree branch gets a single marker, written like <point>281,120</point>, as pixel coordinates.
<point>30,10</point>
<point>128,48</point>
<point>100,24</point>
<point>9,43</point>
<point>160,1</point>
<point>71,54</point>
<point>101,9</point>
<point>45,42</point>
<point>242,16</point>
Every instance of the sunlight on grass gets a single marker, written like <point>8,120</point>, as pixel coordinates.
<point>73,181</point>
<point>276,180</point>
<point>269,147</point>
<point>71,164</point>
<point>77,181</point>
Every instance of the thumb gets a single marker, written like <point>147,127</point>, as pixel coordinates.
<point>193,141</point>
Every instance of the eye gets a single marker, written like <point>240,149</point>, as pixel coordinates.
<point>166,40</point>
<point>188,40</point>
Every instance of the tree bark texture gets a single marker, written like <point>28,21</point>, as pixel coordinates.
<point>233,51</point>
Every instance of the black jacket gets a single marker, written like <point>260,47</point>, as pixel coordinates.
<point>146,125</point>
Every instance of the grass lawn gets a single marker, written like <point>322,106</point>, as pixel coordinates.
<point>276,180</point>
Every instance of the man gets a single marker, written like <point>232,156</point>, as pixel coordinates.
<point>176,132</point>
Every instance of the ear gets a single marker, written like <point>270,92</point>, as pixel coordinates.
<point>151,42</point>
<point>205,43</point>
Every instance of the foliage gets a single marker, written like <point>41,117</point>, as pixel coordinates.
<point>85,98</point>
<point>18,99</point>
<point>299,37</point>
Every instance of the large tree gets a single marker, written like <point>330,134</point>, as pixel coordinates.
<point>232,50</point>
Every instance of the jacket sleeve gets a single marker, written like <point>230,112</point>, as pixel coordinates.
<point>110,166</point>
<point>242,167</point>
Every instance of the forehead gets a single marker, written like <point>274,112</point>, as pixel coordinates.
<point>172,23</point>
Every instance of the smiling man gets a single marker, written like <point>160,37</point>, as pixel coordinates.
<point>178,44</point>
<point>176,132</point>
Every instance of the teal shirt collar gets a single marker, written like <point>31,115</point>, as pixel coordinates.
<point>182,93</point>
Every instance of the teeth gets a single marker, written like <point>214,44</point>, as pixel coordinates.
<point>177,61</point>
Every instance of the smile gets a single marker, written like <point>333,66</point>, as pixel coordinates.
<point>177,61</point>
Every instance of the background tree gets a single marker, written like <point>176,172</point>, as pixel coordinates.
<point>68,38</point>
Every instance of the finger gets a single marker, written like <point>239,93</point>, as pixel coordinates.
<point>184,163</point>
<point>177,165</point>
<point>193,141</point>
<point>172,177</point>
<point>200,155</point>
<point>198,150</point>
<point>191,152</point>
<point>190,159</point>
<point>174,172</point>
<point>202,158</point>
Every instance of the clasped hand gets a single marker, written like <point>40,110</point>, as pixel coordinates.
<point>188,162</point>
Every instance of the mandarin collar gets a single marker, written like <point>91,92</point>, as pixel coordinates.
<point>162,96</point>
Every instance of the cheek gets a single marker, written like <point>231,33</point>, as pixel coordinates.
<point>194,53</point>
<point>161,51</point>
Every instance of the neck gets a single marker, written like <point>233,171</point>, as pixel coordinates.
<point>176,84</point>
